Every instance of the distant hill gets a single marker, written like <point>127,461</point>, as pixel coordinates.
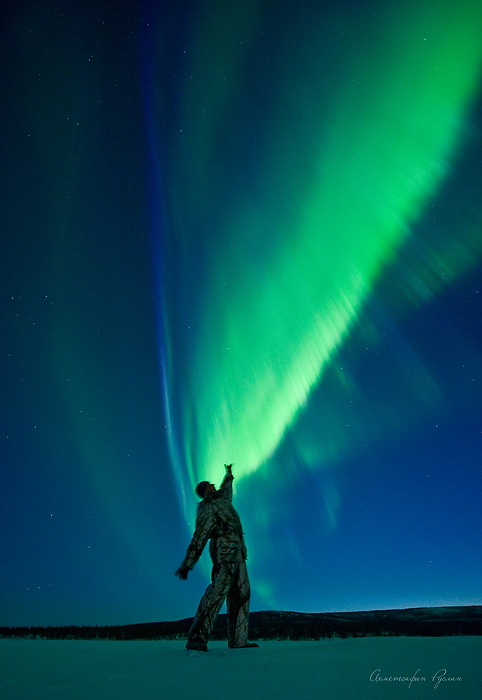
<point>271,624</point>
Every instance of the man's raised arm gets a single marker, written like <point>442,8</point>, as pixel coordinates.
<point>227,486</point>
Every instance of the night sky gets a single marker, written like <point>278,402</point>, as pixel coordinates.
<point>240,232</point>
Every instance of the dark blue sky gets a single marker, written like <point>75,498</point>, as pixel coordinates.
<point>112,240</point>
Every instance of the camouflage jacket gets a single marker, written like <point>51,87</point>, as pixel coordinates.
<point>218,521</point>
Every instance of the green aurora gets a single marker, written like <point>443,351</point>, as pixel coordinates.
<point>302,203</point>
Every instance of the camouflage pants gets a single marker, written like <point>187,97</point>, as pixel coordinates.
<point>229,582</point>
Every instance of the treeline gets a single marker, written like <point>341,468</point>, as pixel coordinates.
<point>419,622</point>
<point>315,626</point>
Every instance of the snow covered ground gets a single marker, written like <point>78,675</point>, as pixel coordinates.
<point>362,668</point>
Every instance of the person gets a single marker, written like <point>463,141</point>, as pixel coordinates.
<point>218,521</point>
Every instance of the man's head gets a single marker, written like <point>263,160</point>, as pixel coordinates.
<point>203,488</point>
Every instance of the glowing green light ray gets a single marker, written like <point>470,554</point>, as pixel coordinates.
<point>268,327</point>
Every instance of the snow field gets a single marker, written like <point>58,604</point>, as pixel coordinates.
<point>363,668</point>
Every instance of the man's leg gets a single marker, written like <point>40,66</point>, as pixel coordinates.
<point>238,607</point>
<point>210,604</point>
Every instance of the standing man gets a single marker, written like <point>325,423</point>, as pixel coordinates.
<point>219,522</point>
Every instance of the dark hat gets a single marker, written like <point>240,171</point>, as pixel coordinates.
<point>201,488</point>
